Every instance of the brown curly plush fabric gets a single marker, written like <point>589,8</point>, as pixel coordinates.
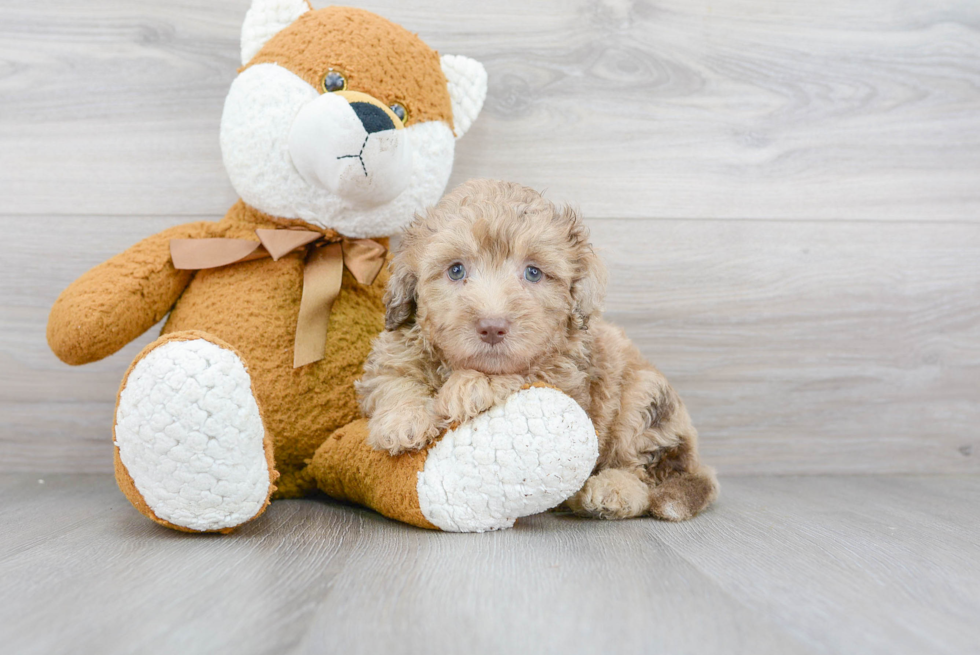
<point>377,57</point>
<point>347,469</point>
<point>120,299</point>
<point>253,306</point>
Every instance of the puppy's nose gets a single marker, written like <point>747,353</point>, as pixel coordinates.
<point>492,330</point>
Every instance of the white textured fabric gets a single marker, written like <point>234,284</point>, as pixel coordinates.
<point>467,89</point>
<point>520,458</point>
<point>191,437</point>
<point>330,148</point>
<point>265,19</point>
<point>260,109</point>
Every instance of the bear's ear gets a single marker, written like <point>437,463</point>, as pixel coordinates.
<point>265,19</point>
<point>467,80</point>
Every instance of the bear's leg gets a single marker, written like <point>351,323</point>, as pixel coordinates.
<point>519,458</point>
<point>191,451</point>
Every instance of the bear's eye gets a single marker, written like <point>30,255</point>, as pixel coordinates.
<point>334,81</point>
<point>398,109</point>
<point>533,274</point>
<point>456,272</point>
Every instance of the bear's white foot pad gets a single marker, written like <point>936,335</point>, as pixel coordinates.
<point>190,435</point>
<point>517,459</point>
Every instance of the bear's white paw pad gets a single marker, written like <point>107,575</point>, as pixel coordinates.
<point>190,435</point>
<point>520,458</point>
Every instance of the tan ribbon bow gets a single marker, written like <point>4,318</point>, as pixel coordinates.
<point>326,257</point>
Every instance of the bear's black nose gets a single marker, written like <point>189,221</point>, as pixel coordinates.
<point>373,118</point>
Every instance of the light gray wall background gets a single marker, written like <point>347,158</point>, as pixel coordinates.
<point>786,194</point>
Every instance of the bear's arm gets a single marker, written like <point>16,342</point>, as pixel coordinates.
<point>121,298</point>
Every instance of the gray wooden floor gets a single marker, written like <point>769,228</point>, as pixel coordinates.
<point>822,564</point>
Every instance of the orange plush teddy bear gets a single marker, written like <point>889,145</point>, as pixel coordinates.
<point>339,127</point>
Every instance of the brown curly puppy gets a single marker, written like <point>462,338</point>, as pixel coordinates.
<point>496,288</point>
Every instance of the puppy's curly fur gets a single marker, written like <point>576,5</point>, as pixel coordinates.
<point>495,288</point>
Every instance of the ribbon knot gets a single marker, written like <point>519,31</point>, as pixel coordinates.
<point>323,272</point>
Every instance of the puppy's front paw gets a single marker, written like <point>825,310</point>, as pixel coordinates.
<point>464,395</point>
<point>611,494</point>
<point>398,431</point>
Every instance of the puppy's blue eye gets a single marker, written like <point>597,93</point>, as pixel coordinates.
<point>456,272</point>
<point>533,274</point>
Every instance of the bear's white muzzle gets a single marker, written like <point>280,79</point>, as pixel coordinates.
<point>353,148</point>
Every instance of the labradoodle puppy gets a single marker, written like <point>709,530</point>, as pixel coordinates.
<point>495,288</point>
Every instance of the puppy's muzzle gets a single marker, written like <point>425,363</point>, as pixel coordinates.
<point>353,145</point>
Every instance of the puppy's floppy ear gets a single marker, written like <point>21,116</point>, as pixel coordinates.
<point>589,283</point>
<point>589,290</point>
<point>400,294</point>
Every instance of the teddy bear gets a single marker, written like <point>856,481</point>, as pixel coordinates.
<point>339,126</point>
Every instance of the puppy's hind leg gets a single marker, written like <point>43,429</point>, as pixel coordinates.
<point>680,486</point>
<point>623,494</point>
